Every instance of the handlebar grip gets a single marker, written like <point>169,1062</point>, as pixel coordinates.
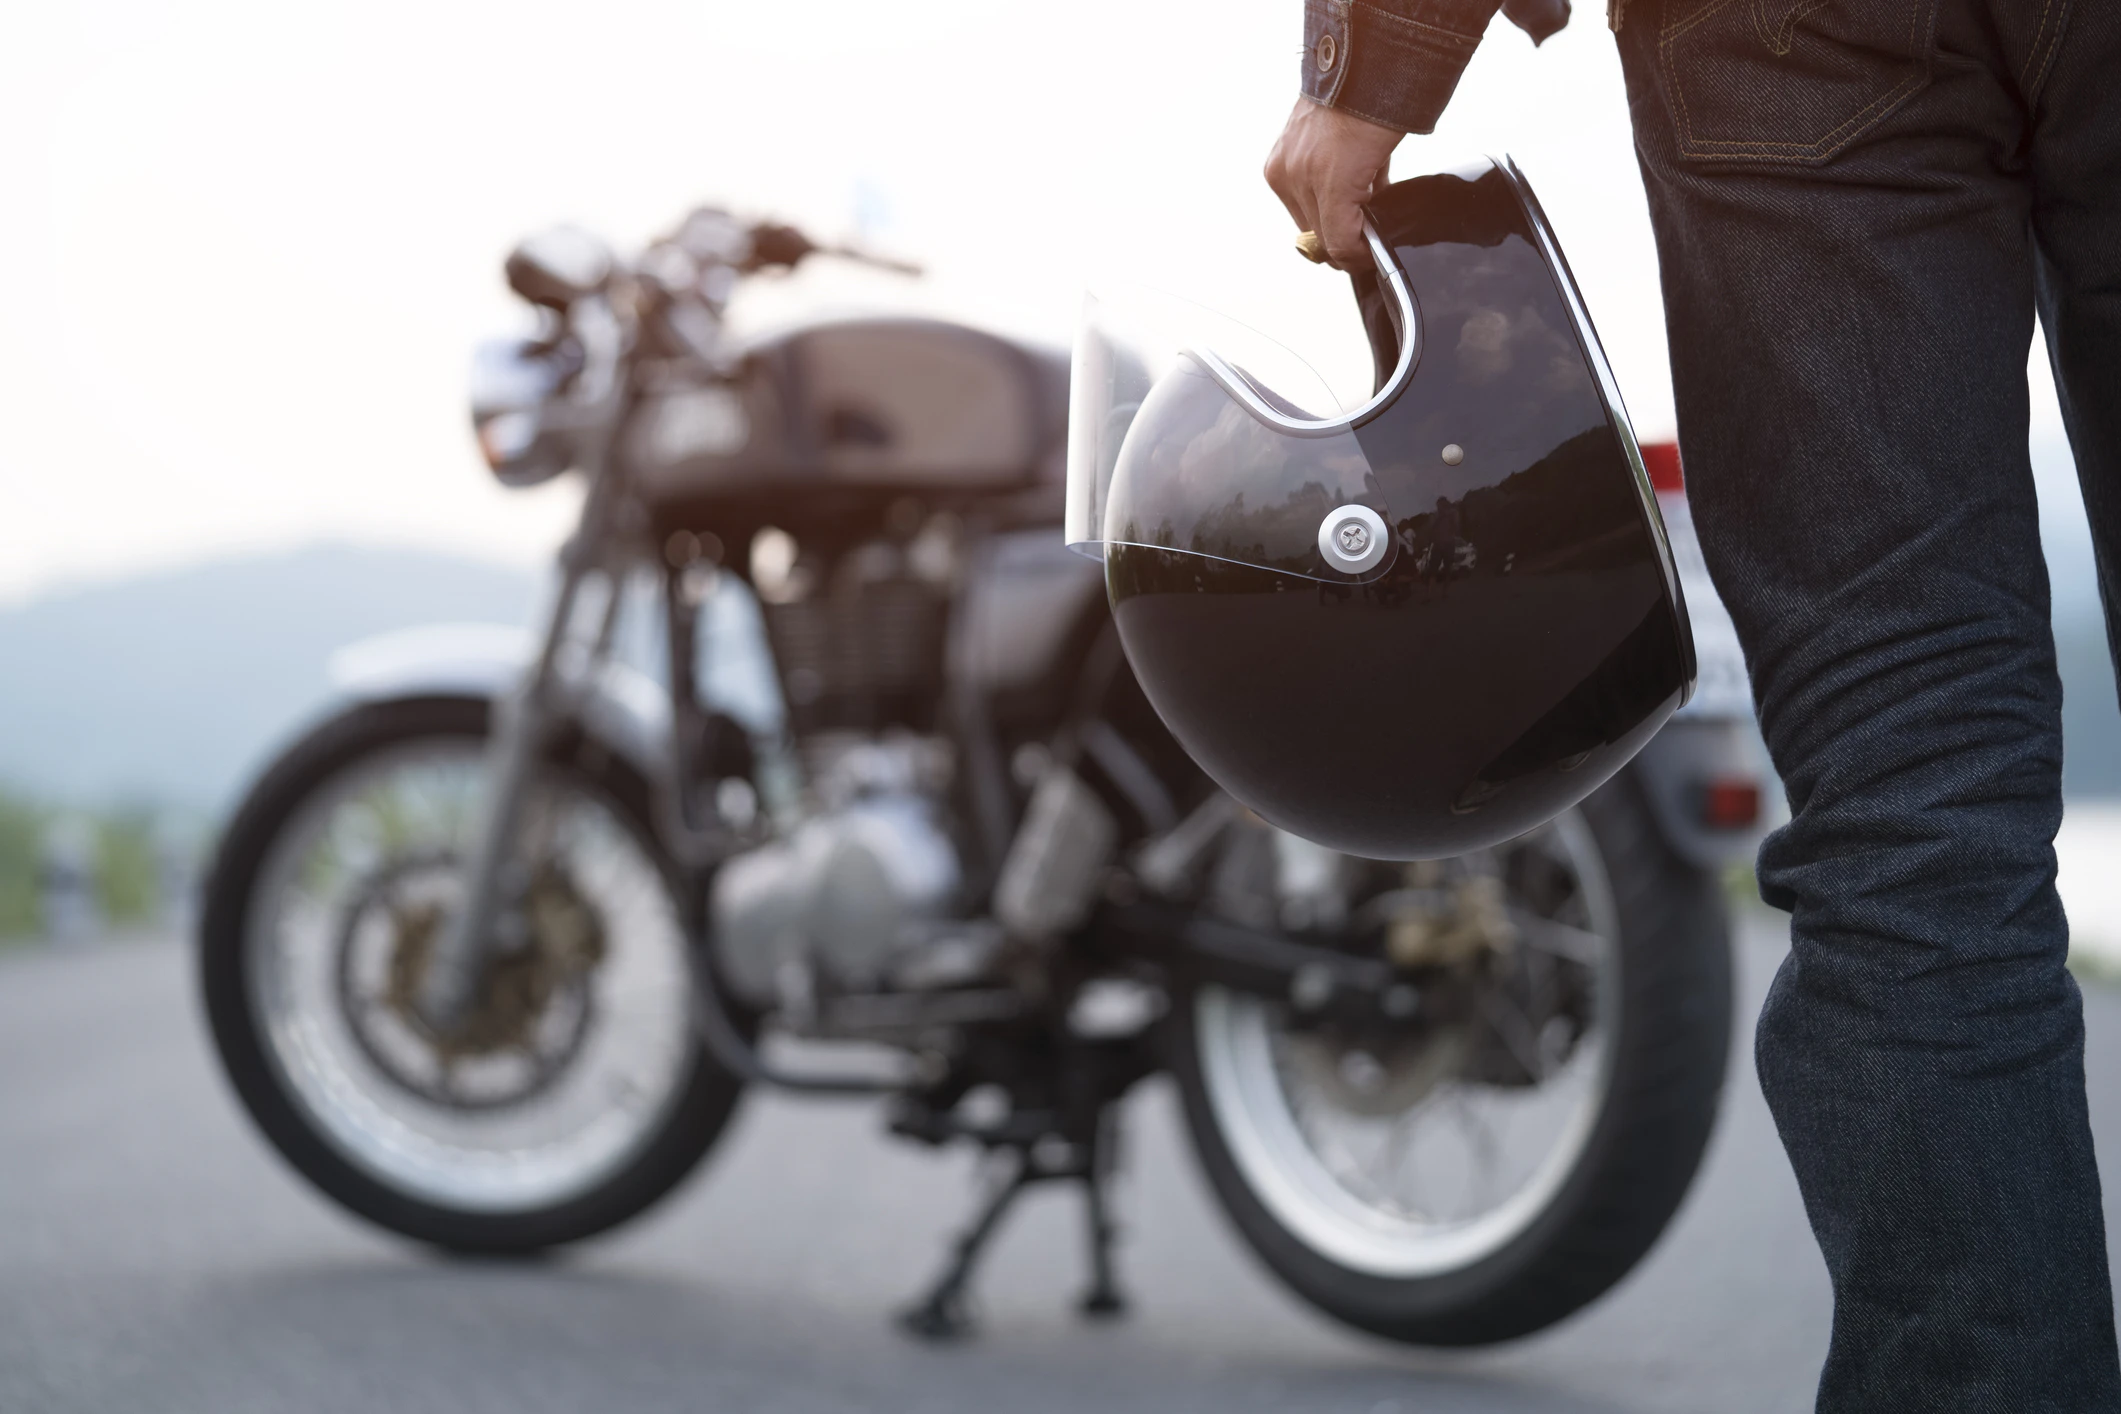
<point>778,245</point>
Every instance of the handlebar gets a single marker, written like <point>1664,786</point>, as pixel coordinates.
<point>775,245</point>
<point>672,296</point>
<point>870,258</point>
<point>559,399</point>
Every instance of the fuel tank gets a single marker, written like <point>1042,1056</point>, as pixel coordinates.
<point>861,409</point>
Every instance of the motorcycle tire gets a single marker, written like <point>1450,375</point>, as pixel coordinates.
<point>1664,1083</point>
<point>704,1094</point>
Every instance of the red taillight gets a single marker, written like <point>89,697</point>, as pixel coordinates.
<point>1661,460</point>
<point>1730,804</point>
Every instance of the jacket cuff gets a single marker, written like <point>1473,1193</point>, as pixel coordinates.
<point>1395,63</point>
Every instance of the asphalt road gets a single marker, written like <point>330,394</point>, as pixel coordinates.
<point>154,1255</point>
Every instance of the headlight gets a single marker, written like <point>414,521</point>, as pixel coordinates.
<point>507,437</point>
<point>512,382</point>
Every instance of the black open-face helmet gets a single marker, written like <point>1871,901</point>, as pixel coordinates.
<point>1413,628</point>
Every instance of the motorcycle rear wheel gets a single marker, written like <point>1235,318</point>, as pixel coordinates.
<point>1621,1162</point>
<point>311,1097</point>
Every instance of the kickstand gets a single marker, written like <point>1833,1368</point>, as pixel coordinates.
<point>941,1314</point>
<point>1103,1301</point>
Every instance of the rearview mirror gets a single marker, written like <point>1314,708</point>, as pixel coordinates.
<point>557,267</point>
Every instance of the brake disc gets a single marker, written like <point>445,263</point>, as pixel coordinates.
<point>527,1017</point>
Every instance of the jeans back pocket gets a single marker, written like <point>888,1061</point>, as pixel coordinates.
<point>1789,81</point>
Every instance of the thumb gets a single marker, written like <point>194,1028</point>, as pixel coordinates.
<point>1340,224</point>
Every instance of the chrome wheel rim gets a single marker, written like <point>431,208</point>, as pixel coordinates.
<point>624,1046</point>
<point>1415,1175</point>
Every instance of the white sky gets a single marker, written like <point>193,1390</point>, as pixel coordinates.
<point>249,245</point>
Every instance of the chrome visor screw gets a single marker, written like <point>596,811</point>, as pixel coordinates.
<point>1352,539</point>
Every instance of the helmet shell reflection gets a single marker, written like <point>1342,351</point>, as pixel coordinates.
<point>1522,637</point>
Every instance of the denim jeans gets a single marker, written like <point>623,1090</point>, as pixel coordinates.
<point>1859,204</point>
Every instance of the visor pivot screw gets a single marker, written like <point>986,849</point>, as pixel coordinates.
<point>1453,454</point>
<point>1353,539</point>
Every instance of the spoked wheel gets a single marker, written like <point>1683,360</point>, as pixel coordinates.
<point>1508,1151</point>
<point>568,1097</point>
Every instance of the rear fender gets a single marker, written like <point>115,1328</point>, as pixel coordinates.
<point>1712,738</point>
<point>623,708</point>
<point>1677,770</point>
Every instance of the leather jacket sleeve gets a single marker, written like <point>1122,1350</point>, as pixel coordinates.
<point>1396,62</point>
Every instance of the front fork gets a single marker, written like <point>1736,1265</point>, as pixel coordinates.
<point>496,878</point>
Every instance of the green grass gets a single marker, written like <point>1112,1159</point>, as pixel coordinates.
<point>21,831</point>
<point>1741,886</point>
<point>128,873</point>
<point>128,870</point>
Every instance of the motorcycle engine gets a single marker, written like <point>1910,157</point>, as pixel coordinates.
<point>853,891</point>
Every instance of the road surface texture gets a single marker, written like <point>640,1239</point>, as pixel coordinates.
<point>155,1256</point>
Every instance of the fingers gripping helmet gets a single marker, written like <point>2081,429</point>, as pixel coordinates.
<point>1419,627</point>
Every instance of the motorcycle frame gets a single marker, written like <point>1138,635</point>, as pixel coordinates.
<point>609,541</point>
<point>1132,932</point>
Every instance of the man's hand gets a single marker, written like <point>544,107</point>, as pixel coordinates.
<point>1323,167</point>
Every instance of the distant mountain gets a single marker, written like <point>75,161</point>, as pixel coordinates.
<point>172,688</point>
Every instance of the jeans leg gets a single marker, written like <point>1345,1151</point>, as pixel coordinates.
<point>1848,340</point>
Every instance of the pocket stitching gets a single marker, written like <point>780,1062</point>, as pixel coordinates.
<point>1785,34</point>
<point>1731,149</point>
<point>2030,83</point>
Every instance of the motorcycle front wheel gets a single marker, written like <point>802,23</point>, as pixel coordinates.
<point>571,1096</point>
<point>1481,1180</point>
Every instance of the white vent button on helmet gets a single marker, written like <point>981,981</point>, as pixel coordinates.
<point>1353,539</point>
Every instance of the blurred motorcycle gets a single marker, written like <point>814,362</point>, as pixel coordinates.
<point>491,952</point>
